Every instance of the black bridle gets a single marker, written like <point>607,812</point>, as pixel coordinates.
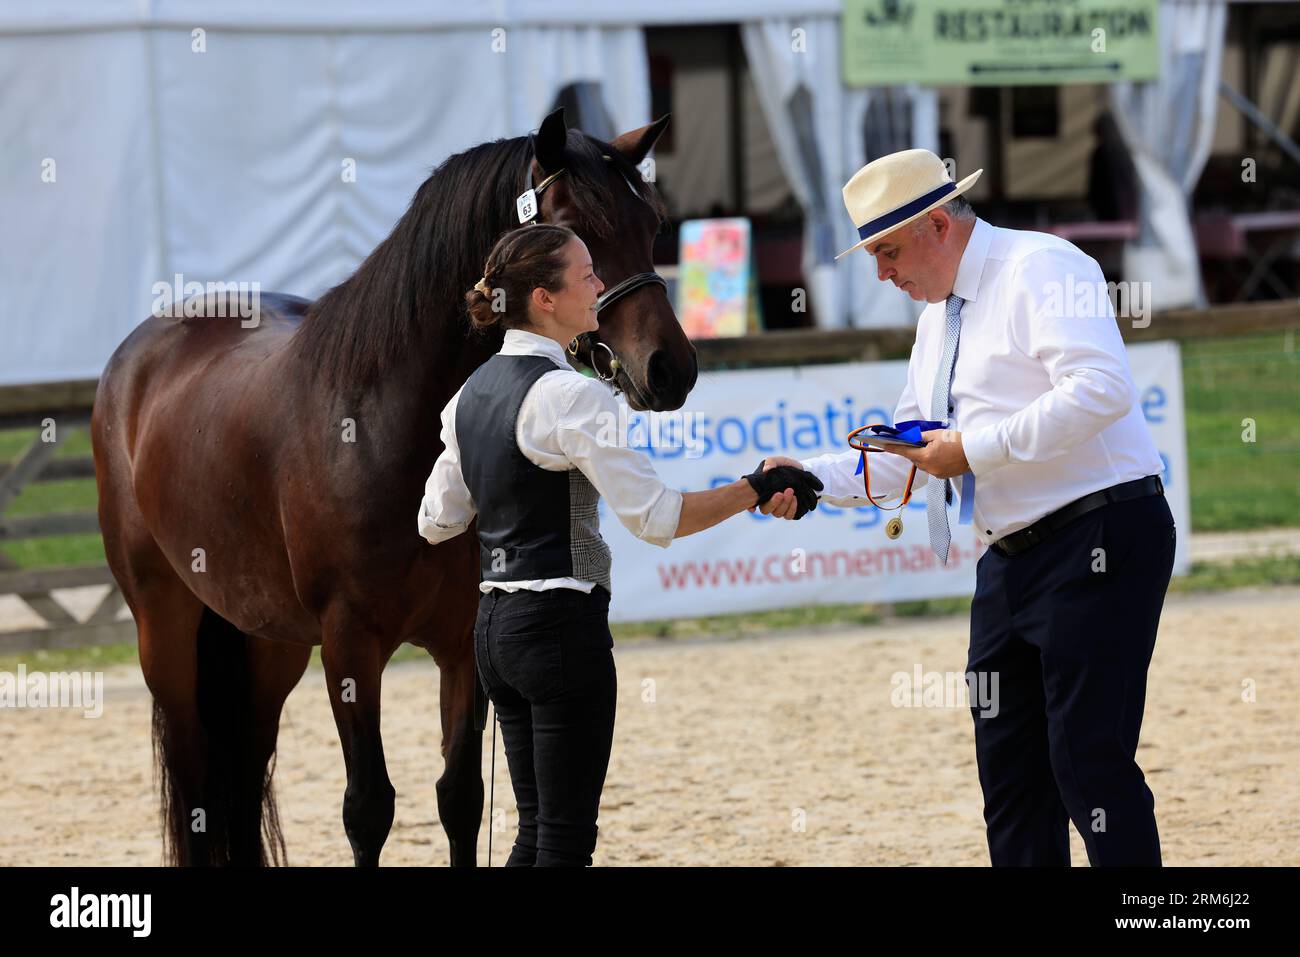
<point>609,297</point>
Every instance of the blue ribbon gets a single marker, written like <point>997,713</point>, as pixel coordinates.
<point>910,431</point>
<point>967,498</point>
<point>894,217</point>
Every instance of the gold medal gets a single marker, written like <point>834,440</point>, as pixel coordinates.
<point>893,527</point>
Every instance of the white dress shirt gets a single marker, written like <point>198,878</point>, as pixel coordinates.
<point>566,421</point>
<point>1042,392</point>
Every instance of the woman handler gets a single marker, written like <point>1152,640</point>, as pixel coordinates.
<point>522,453</point>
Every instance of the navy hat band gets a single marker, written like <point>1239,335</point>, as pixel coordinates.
<point>893,218</point>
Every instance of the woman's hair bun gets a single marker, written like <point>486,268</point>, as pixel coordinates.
<point>521,261</point>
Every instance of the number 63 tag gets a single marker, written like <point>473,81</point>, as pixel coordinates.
<point>526,205</point>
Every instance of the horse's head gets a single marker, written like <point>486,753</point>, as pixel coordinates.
<point>602,197</point>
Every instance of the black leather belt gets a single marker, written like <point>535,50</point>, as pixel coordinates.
<point>1022,541</point>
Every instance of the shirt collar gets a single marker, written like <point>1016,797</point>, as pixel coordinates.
<point>519,342</point>
<point>971,267</point>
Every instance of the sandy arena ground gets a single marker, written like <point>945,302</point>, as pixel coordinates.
<point>738,743</point>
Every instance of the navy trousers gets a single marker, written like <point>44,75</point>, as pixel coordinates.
<point>545,660</point>
<point>1069,627</point>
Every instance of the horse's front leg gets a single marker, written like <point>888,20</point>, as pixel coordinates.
<point>460,789</point>
<point>354,660</point>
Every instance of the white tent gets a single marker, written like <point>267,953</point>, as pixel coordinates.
<point>268,143</point>
<point>278,142</point>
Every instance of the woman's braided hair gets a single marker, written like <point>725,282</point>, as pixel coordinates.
<point>522,260</point>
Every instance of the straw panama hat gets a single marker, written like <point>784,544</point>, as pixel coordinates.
<point>896,189</point>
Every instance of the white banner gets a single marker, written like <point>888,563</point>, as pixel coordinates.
<point>833,555</point>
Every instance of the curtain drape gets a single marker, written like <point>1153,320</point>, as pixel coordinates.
<point>1168,125</point>
<point>133,155</point>
<point>824,132</point>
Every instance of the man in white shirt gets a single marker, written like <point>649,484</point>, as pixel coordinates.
<point>1045,441</point>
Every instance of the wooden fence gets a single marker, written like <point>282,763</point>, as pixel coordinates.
<point>55,412</point>
<point>67,405</point>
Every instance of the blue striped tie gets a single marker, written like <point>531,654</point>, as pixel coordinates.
<point>938,493</point>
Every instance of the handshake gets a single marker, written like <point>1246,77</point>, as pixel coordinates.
<point>784,488</point>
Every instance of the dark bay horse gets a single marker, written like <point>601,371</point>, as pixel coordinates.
<point>259,484</point>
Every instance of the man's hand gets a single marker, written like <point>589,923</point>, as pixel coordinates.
<point>792,480</point>
<point>943,457</point>
<point>785,503</point>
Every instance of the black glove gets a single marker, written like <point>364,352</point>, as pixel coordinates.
<point>778,479</point>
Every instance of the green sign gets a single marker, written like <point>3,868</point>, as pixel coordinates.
<point>998,42</point>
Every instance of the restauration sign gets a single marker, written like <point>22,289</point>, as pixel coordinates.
<point>998,42</point>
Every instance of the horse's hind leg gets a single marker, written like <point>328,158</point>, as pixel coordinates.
<point>167,616</point>
<point>460,789</point>
<point>354,660</point>
<point>277,668</point>
<point>217,698</point>
<point>167,619</point>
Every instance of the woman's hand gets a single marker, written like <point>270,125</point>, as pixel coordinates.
<point>785,503</point>
<point>790,493</point>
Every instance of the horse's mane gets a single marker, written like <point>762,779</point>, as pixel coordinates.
<point>414,282</point>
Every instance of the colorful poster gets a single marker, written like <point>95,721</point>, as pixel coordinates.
<point>713,284</point>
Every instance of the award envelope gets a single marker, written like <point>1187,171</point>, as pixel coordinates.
<point>904,433</point>
<point>909,434</point>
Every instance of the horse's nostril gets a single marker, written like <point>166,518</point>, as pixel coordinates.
<point>667,384</point>
<point>659,374</point>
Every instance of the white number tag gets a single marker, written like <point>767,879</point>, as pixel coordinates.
<point>526,204</point>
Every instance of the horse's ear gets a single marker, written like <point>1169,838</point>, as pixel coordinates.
<point>636,144</point>
<point>550,142</point>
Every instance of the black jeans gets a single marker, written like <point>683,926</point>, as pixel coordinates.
<point>1069,627</point>
<point>545,660</point>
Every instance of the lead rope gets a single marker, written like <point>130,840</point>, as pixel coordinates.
<point>492,784</point>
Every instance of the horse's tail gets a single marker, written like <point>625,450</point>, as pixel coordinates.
<point>237,822</point>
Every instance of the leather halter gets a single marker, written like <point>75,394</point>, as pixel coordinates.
<point>606,299</point>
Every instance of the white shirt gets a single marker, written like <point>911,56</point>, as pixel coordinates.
<point>1042,392</point>
<point>565,421</point>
